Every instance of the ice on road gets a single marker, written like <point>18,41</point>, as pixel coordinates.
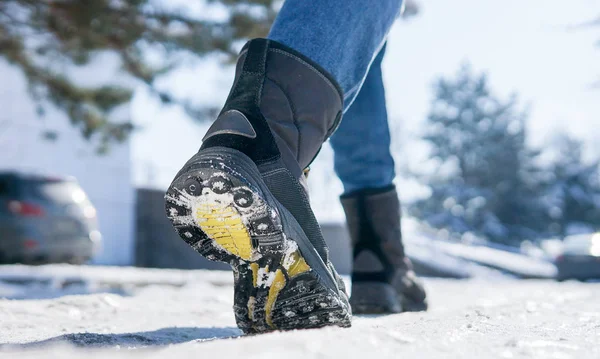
<point>95,312</point>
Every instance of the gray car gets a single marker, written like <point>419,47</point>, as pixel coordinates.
<point>45,220</point>
<point>580,258</point>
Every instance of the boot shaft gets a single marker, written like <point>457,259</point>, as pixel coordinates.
<point>373,219</point>
<point>281,106</point>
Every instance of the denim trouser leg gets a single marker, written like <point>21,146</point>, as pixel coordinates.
<point>346,37</point>
<point>362,142</point>
<point>343,36</point>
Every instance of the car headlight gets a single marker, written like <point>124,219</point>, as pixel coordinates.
<point>596,239</point>
<point>595,248</point>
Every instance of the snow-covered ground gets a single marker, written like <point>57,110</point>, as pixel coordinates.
<point>141,313</point>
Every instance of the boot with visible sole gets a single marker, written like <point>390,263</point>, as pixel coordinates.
<point>382,277</point>
<point>241,199</point>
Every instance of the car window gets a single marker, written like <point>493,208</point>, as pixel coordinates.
<point>55,191</point>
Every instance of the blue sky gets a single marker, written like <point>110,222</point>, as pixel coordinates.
<point>525,46</point>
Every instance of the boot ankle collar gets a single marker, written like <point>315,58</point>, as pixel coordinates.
<point>281,48</point>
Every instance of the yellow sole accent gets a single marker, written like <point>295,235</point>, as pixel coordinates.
<point>298,265</point>
<point>254,267</point>
<point>276,287</point>
<point>224,225</point>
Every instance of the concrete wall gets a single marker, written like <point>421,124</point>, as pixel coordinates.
<point>106,179</point>
<point>158,245</point>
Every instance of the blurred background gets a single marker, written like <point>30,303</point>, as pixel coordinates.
<point>494,111</point>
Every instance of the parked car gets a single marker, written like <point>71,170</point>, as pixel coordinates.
<point>580,258</point>
<point>45,220</point>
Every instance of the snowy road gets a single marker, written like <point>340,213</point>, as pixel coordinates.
<point>137,313</point>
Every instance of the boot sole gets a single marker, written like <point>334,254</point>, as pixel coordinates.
<point>381,298</point>
<point>220,206</point>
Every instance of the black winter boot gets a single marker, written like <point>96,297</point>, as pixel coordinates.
<point>241,198</point>
<point>382,278</point>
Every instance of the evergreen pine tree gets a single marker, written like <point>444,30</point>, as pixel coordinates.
<point>487,182</point>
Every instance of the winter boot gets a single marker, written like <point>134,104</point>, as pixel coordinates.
<point>241,198</point>
<point>382,277</point>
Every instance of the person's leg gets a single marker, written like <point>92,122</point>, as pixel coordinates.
<point>240,199</point>
<point>361,145</point>
<point>343,36</point>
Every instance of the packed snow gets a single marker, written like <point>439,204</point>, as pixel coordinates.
<point>62,311</point>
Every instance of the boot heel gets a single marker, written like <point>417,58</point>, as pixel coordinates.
<point>374,298</point>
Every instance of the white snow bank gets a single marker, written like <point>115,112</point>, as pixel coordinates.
<point>429,260</point>
<point>457,257</point>
<point>517,264</point>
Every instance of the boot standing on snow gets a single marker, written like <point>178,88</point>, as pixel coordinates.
<point>241,199</point>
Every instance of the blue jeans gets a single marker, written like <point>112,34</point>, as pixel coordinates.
<point>347,38</point>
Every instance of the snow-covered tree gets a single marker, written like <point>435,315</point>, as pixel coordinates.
<point>487,182</point>
<point>573,194</point>
<point>44,38</point>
